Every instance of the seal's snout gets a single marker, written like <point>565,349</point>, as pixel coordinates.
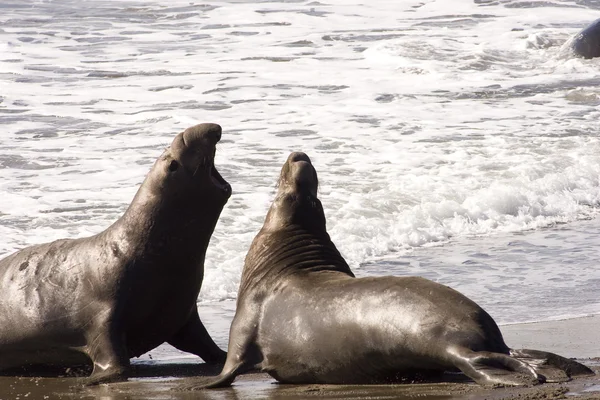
<point>298,156</point>
<point>198,138</point>
<point>195,148</point>
<point>202,133</point>
<point>298,174</point>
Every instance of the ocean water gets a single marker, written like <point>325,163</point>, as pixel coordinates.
<point>456,140</point>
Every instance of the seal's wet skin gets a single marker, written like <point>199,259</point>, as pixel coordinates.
<point>303,317</point>
<point>128,289</point>
<point>586,43</point>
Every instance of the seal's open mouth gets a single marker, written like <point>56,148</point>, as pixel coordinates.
<point>218,180</point>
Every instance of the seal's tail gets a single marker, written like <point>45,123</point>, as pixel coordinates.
<point>553,367</point>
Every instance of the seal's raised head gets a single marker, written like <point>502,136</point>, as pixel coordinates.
<point>296,202</point>
<point>298,176</point>
<point>294,232</point>
<point>190,158</point>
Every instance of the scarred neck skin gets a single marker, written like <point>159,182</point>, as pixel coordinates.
<point>164,224</point>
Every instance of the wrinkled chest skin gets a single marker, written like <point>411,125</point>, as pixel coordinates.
<point>130,288</point>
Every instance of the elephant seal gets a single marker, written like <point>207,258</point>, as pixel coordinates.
<point>303,317</point>
<point>586,43</point>
<point>128,289</point>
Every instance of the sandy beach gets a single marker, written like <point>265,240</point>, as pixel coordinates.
<point>576,338</point>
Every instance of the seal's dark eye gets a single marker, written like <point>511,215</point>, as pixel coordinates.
<point>173,166</point>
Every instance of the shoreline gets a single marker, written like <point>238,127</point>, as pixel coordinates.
<point>575,338</point>
<point>559,319</point>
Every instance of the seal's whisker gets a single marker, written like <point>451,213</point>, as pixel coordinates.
<point>196,170</point>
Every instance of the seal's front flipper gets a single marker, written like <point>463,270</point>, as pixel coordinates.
<point>553,367</point>
<point>110,358</point>
<point>103,373</point>
<point>194,338</point>
<point>487,368</point>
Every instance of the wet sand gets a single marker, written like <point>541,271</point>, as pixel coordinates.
<point>576,338</point>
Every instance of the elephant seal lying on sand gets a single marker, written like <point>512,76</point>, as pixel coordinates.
<point>303,317</point>
<point>128,289</point>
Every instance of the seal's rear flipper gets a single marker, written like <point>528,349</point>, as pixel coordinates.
<point>487,368</point>
<point>224,379</point>
<point>555,368</point>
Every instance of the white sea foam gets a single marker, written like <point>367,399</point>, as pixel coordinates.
<point>429,122</point>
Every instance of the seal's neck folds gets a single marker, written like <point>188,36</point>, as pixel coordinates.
<point>288,251</point>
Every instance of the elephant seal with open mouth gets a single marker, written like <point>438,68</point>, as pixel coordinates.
<point>303,317</point>
<point>128,289</point>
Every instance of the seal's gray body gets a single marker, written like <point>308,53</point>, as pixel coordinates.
<point>351,330</point>
<point>128,289</point>
<point>303,317</point>
<point>586,43</point>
